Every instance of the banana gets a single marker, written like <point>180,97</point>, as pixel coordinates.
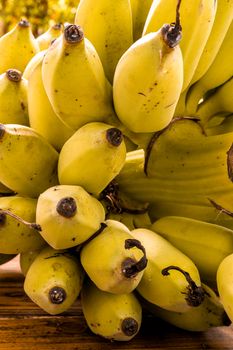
<point>198,319</point>
<point>140,10</point>
<point>74,80</point>
<point>225,284</point>
<point>27,258</point>
<point>17,47</point>
<point>181,165</point>
<point>218,73</point>
<point>28,162</point>
<point>177,290</point>
<point>13,98</point>
<point>92,157</point>
<point>144,98</point>
<point>54,280</point>
<point>220,101</point>
<point>225,125</point>
<point>68,216</point>
<point>4,258</point>
<point>204,243</point>
<point>44,40</point>
<point>5,191</point>
<point>33,63</point>
<point>112,316</point>
<point>196,19</point>
<point>16,236</point>
<point>113,33</point>
<point>41,114</point>
<point>222,21</point>
<point>114,260</point>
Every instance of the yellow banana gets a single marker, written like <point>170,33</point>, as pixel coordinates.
<point>33,63</point>
<point>218,73</point>
<point>44,40</point>
<point>177,290</point>
<point>144,98</point>
<point>27,258</point>
<point>4,190</point>
<point>225,284</point>
<point>222,21</point>
<point>140,9</point>
<point>68,216</point>
<point>113,33</point>
<point>54,280</point>
<point>220,101</point>
<point>114,260</point>
<point>17,47</point>
<point>225,125</point>
<point>197,18</point>
<point>92,157</point>
<point>198,319</point>
<point>28,162</point>
<point>13,98</point>
<point>204,243</point>
<point>15,236</point>
<point>112,316</point>
<point>74,80</point>
<point>41,114</point>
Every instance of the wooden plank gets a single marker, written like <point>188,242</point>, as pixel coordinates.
<point>23,325</point>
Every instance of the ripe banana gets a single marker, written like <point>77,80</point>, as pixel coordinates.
<point>196,17</point>
<point>16,236</point>
<point>74,80</point>
<point>5,191</point>
<point>140,10</point>
<point>92,157</point>
<point>112,316</point>
<point>176,290</point>
<point>68,216</point>
<point>113,32</point>
<point>225,284</point>
<point>44,40</point>
<point>204,243</point>
<point>222,22</point>
<point>33,63</point>
<point>54,280</point>
<point>17,47</point>
<point>114,260</point>
<point>220,101</point>
<point>28,162</point>
<point>218,73</point>
<point>198,319</point>
<point>27,258</point>
<point>144,98</point>
<point>13,98</point>
<point>225,125</point>
<point>41,114</point>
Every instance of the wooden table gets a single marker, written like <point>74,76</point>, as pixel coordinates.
<point>24,326</point>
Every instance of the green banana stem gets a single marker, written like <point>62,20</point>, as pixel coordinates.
<point>5,212</point>
<point>130,267</point>
<point>195,295</point>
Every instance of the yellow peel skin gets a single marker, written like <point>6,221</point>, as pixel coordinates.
<point>140,10</point>
<point>44,40</point>
<point>225,284</point>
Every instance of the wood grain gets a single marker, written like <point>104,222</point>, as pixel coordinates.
<point>25,326</point>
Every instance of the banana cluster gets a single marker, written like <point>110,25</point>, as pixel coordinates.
<point>116,163</point>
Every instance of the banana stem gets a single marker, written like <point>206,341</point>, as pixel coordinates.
<point>31,225</point>
<point>195,295</point>
<point>130,268</point>
<point>220,208</point>
<point>172,32</point>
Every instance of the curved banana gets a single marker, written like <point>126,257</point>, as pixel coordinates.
<point>140,10</point>
<point>41,114</point>
<point>144,98</point>
<point>68,216</point>
<point>177,290</point>
<point>112,316</point>
<point>15,236</point>
<point>196,17</point>
<point>27,258</point>
<point>44,40</point>
<point>114,260</point>
<point>113,32</point>
<point>225,284</point>
<point>13,98</point>
<point>92,157</point>
<point>74,80</point>
<point>198,319</point>
<point>225,125</point>
<point>33,63</point>
<point>17,47</point>
<point>218,73</point>
<point>204,243</point>
<point>28,162</point>
<point>54,280</point>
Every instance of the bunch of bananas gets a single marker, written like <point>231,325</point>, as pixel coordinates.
<point>116,163</point>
